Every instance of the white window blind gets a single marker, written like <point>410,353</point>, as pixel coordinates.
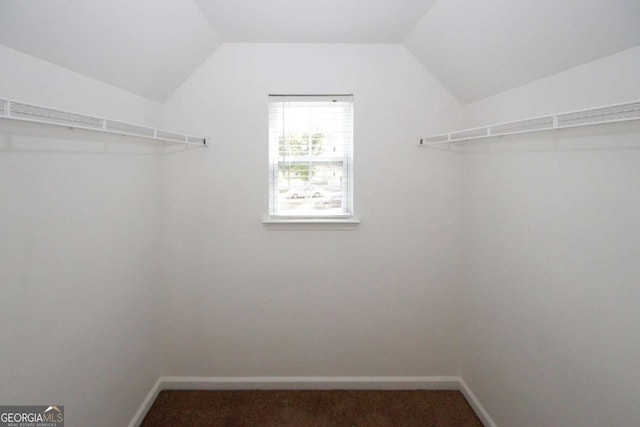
<point>311,156</point>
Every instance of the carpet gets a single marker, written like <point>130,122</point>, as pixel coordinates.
<point>316,408</point>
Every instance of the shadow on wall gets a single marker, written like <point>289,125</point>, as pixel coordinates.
<point>22,137</point>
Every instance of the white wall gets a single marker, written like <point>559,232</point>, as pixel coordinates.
<point>118,266</point>
<point>551,241</point>
<point>79,231</point>
<point>28,79</point>
<point>244,300</point>
<point>610,80</point>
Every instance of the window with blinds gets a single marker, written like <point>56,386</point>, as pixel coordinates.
<point>311,156</point>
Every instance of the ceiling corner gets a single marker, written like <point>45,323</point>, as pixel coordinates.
<point>194,70</point>
<point>414,51</point>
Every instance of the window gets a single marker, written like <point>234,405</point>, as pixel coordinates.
<point>311,157</point>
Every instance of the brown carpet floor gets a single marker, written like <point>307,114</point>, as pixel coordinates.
<point>315,408</point>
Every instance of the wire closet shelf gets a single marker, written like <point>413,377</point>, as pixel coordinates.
<point>24,112</point>
<point>616,113</point>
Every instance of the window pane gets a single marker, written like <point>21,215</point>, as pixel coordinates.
<point>305,188</point>
<point>310,146</point>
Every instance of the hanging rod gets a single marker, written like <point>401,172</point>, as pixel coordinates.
<point>615,113</point>
<point>24,112</point>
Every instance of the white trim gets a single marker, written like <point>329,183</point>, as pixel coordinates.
<point>476,405</point>
<point>274,98</point>
<point>146,404</point>
<point>310,223</point>
<point>312,383</point>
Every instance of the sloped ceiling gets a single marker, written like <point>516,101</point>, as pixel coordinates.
<point>476,48</point>
<point>314,21</point>
<point>148,47</point>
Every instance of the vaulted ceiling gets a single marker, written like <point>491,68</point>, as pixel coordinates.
<point>148,47</point>
<point>314,21</point>
<point>476,48</point>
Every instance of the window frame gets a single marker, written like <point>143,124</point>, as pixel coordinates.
<point>338,219</point>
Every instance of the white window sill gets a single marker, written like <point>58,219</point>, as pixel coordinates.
<point>311,223</point>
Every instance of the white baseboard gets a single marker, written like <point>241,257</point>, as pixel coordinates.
<point>311,383</point>
<point>476,405</point>
<point>146,404</point>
